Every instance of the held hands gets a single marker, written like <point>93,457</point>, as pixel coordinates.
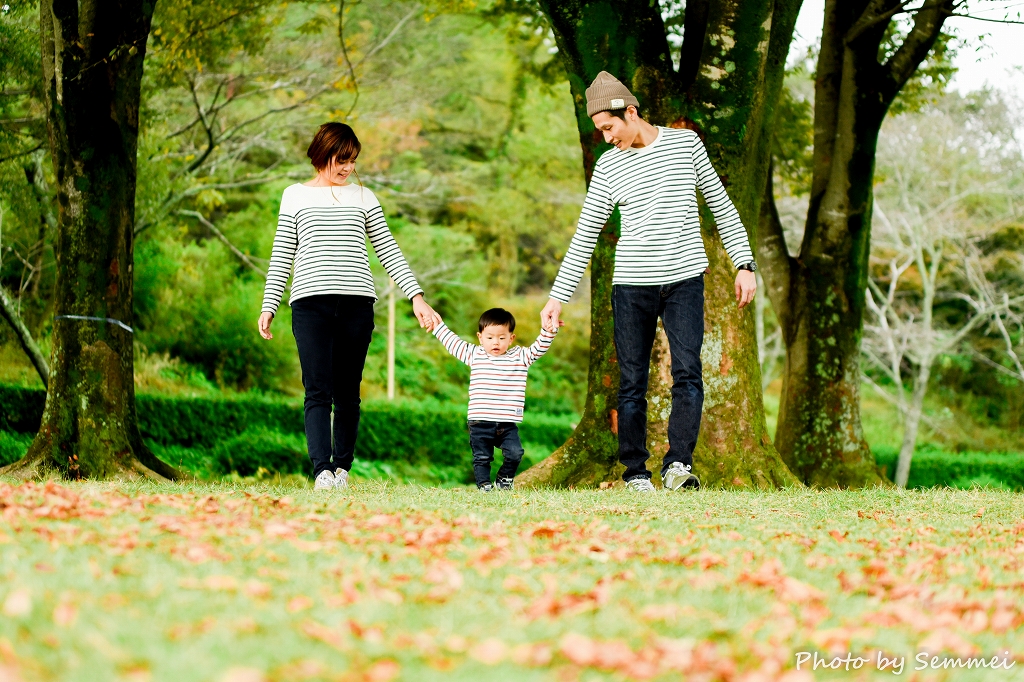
<point>550,317</point>
<point>424,313</point>
<point>746,287</point>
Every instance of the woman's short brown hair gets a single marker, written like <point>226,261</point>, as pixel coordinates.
<point>333,141</point>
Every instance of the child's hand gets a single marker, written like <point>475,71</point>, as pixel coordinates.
<point>435,321</point>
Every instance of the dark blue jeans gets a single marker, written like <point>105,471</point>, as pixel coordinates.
<point>637,309</point>
<point>483,438</point>
<point>333,334</point>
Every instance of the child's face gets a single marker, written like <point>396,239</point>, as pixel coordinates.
<point>495,339</point>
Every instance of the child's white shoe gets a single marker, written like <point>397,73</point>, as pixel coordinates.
<point>324,481</point>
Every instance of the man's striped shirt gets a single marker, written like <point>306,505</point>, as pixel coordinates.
<point>322,231</point>
<point>497,384</point>
<point>655,190</point>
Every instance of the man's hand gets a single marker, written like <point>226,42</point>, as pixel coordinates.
<point>746,287</point>
<point>264,325</point>
<point>424,313</point>
<point>550,317</point>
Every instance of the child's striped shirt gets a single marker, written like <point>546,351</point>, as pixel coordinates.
<point>497,384</point>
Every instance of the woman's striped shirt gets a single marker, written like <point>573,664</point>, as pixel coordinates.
<point>655,190</point>
<point>497,384</point>
<point>321,241</point>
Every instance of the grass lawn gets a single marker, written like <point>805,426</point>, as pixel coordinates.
<point>236,583</point>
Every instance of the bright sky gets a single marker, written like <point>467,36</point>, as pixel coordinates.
<point>998,59</point>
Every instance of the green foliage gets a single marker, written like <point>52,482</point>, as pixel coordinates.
<point>197,302</point>
<point>932,468</point>
<point>13,446</point>
<point>793,141</point>
<point>192,35</point>
<point>931,78</point>
<point>261,447</point>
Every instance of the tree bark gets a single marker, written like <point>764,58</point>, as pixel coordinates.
<point>819,296</point>
<point>34,176</point>
<point>92,56</point>
<point>730,75</point>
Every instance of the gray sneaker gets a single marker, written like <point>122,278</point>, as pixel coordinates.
<point>484,487</point>
<point>504,483</point>
<point>324,481</point>
<point>678,476</point>
<point>340,479</point>
<point>640,485</point>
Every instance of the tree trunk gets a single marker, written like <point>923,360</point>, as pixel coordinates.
<point>912,421</point>
<point>819,296</point>
<point>92,55</point>
<point>731,68</point>
<point>34,176</point>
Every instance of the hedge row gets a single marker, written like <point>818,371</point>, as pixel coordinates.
<point>427,431</point>
<point>936,468</point>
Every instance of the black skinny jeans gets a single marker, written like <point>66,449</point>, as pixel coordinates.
<point>333,334</point>
<point>637,309</point>
<point>483,438</point>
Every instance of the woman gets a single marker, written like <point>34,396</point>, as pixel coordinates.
<point>322,231</point>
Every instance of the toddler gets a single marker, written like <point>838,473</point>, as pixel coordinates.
<point>497,391</point>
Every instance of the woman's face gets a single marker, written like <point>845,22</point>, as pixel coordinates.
<point>338,170</point>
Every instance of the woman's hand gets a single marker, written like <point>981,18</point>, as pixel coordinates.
<point>264,325</point>
<point>424,313</point>
<point>550,316</point>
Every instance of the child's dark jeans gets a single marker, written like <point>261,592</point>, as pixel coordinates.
<point>483,438</point>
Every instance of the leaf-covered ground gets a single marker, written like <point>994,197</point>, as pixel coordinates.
<point>221,583</point>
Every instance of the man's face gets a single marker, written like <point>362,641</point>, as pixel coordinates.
<point>495,339</point>
<point>617,132</point>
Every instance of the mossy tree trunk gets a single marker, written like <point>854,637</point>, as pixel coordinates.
<point>92,54</point>
<point>726,88</point>
<point>819,295</point>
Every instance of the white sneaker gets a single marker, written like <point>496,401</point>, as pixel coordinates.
<point>678,476</point>
<point>325,481</point>
<point>340,478</point>
<point>640,485</point>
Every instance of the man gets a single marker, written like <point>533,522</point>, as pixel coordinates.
<point>651,174</point>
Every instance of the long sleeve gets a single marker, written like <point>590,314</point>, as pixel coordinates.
<point>460,349</point>
<point>388,253</point>
<point>285,244</point>
<point>727,218</point>
<point>597,208</point>
<point>539,347</point>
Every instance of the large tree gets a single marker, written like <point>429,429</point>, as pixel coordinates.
<point>731,65</point>
<point>865,58</point>
<point>92,56</point>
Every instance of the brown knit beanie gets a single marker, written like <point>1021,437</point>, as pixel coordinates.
<point>607,93</point>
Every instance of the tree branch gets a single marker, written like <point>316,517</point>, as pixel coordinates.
<point>695,26</point>
<point>915,48</point>
<point>774,256</point>
<point>220,235</point>
<point>10,313</point>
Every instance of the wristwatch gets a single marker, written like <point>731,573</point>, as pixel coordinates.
<point>751,266</point>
